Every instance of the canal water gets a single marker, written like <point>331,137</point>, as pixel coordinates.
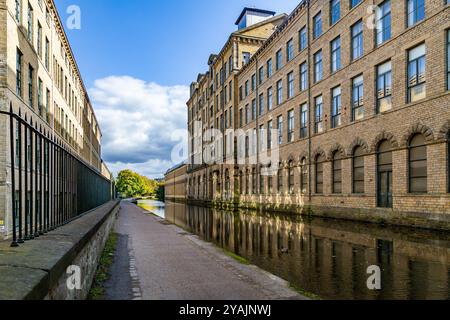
<point>329,258</point>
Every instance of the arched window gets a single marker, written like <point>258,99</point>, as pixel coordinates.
<point>358,170</point>
<point>291,177</point>
<point>319,174</point>
<point>280,178</point>
<point>227,183</point>
<point>269,180</point>
<point>194,184</point>
<point>304,176</point>
<point>337,172</point>
<point>418,176</point>
<point>384,175</point>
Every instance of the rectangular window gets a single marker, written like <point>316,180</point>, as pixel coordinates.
<point>254,82</point>
<point>241,93</point>
<point>291,85</point>
<point>247,88</point>
<point>254,109</point>
<point>279,60</point>
<point>416,73</point>
<point>319,115</point>
<point>245,58</point>
<point>317,20</point>
<point>47,53</point>
<point>269,68</point>
<point>279,92</point>
<point>30,86</point>
<point>318,68</point>
<point>30,24</point>
<point>303,77</point>
<point>358,98</point>
<point>18,11</point>
<point>291,126</point>
<point>280,129</point>
<point>40,98</point>
<point>336,54</point>
<point>383,19</point>
<point>269,99</point>
<point>47,106</point>
<point>247,114</point>
<point>416,11</point>
<point>336,108</point>
<point>448,60</point>
<point>241,118</point>
<point>39,40</point>
<point>384,87</point>
<point>261,104</point>
<point>290,50</point>
<point>303,40</point>
<point>357,40</point>
<point>335,11</point>
<point>19,56</point>
<point>303,120</point>
<point>261,75</point>
<point>262,138</point>
<point>269,134</point>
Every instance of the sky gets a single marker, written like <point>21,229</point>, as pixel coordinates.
<point>137,59</point>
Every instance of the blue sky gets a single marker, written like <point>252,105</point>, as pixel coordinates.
<point>138,57</point>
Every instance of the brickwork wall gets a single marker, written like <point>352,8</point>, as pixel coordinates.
<point>429,117</point>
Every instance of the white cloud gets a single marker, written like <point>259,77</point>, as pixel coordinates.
<point>137,120</point>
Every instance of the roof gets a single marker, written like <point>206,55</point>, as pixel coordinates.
<point>178,166</point>
<point>253,10</point>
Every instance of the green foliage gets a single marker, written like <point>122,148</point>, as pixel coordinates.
<point>132,184</point>
<point>97,291</point>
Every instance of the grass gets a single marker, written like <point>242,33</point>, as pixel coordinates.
<point>237,257</point>
<point>305,293</point>
<point>97,291</point>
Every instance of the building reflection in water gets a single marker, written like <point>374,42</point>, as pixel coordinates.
<point>328,257</point>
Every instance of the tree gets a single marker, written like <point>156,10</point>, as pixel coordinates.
<point>129,184</point>
<point>132,184</point>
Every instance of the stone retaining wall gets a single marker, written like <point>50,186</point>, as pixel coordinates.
<point>38,269</point>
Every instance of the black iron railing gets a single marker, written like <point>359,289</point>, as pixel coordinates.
<point>50,185</point>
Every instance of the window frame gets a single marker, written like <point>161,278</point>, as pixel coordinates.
<point>360,39</point>
<point>412,161</point>
<point>359,104</point>
<point>416,63</point>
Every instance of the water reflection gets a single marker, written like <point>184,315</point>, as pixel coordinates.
<point>328,257</point>
<point>153,206</point>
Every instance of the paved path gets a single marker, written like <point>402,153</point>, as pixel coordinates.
<point>162,262</point>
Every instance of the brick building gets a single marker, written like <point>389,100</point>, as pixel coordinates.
<point>175,183</point>
<point>40,81</point>
<point>357,94</point>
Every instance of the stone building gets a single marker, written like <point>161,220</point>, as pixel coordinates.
<point>40,81</point>
<point>175,183</point>
<point>357,94</point>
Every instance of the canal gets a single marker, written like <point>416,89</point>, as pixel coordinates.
<point>326,257</point>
